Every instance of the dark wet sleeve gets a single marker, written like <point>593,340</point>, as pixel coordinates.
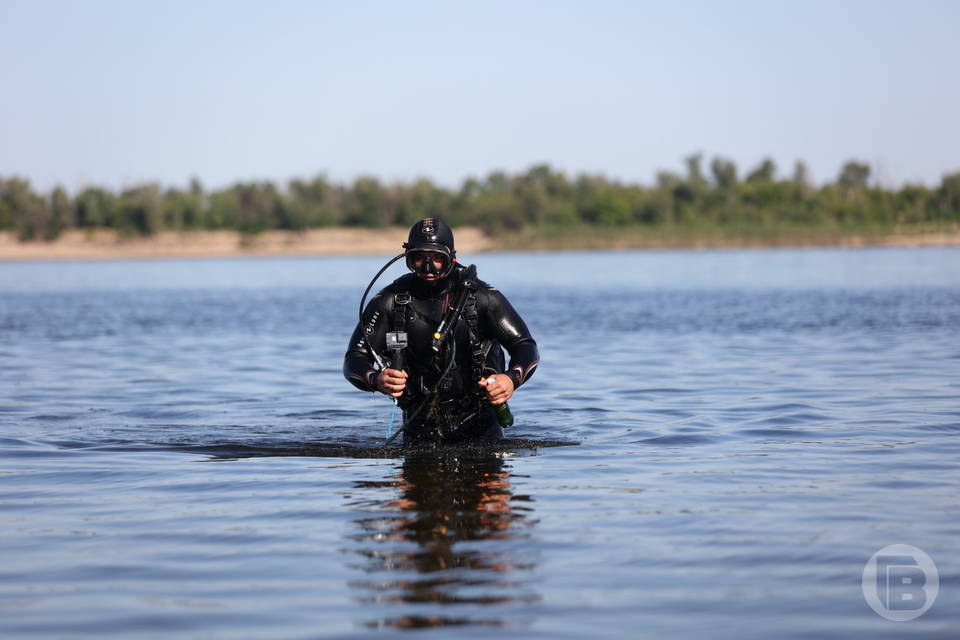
<point>509,329</point>
<point>358,362</point>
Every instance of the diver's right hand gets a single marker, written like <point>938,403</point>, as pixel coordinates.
<point>392,382</point>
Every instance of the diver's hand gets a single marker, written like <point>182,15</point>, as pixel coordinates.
<point>392,382</point>
<point>499,388</point>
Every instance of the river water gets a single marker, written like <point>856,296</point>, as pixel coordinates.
<point>741,431</point>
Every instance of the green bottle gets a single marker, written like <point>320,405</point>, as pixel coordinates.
<point>504,417</point>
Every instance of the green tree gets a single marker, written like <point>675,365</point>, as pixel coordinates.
<point>764,172</point>
<point>368,205</point>
<point>801,175</point>
<point>695,179</point>
<point>94,207</point>
<point>313,202</point>
<point>6,215</point>
<point>496,211</point>
<point>912,204</point>
<point>258,208</point>
<point>724,173</point>
<point>224,210</point>
<point>31,216</point>
<point>184,209</point>
<point>140,210</point>
<point>421,200</point>
<point>608,208</point>
<point>947,200</point>
<point>854,175</point>
<point>61,213</point>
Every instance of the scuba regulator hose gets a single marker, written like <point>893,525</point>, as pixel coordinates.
<point>366,292</point>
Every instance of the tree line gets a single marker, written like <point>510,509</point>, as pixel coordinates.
<point>537,199</point>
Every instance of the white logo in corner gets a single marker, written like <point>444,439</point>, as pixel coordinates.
<point>900,582</point>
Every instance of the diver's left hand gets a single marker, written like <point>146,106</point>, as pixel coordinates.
<point>499,388</point>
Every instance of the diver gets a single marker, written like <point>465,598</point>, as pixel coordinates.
<point>432,341</point>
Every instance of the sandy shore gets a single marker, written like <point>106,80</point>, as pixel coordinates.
<point>104,244</point>
<point>721,239</point>
<point>938,239</point>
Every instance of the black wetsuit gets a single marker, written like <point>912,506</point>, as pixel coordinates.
<point>458,410</point>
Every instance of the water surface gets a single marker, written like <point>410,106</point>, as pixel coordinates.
<point>180,456</point>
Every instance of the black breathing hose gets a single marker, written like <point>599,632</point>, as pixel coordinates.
<point>363,299</point>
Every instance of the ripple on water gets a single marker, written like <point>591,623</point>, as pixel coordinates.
<point>678,440</point>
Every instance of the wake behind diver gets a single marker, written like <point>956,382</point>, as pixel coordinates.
<point>433,340</point>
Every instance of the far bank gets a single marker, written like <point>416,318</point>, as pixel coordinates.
<point>104,244</point>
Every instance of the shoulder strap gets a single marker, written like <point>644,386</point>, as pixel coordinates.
<point>473,326</point>
<point>400,302</point>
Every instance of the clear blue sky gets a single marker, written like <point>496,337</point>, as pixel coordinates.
<point>116,92</point>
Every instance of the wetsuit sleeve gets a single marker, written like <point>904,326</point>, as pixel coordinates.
<point>358,363</point>
<point>509,329</point>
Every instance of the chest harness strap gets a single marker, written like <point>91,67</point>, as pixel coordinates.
<point>400,302</point>
<point>476,348</point>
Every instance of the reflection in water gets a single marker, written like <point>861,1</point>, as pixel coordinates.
<point>450,548</point>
